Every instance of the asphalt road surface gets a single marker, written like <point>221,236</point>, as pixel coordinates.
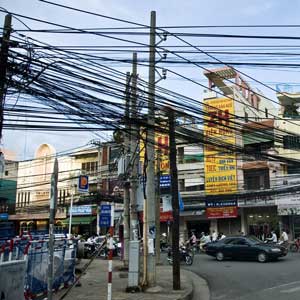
<point>250,280</point>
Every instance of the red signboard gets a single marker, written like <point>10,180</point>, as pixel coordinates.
<point>165,216</point>
<point>221,212</point>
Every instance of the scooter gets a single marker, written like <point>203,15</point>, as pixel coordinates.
<point>184,255</point>
<point>117,251</point>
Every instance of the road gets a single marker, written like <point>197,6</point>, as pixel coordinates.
<point>250,280</point>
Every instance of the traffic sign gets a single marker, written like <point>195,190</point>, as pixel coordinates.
<point>105,210</point>
<point>104,221</point>
<point>105,215</point>
<point>83,184</point>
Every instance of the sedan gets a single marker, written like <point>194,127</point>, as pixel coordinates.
<point>245,247</point>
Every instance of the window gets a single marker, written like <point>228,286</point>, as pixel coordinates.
<point>6,173</point>
<point>256,179</point>
<point>239,242</point>
<point>291,142</point>
<point>90,167</point>
<point>246,117</point>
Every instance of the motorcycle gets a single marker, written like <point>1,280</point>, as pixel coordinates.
<point>117,250</point>
<point>93,245</point>
<point>184,255</point>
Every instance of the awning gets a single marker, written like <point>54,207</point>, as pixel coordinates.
<point>84,220</point>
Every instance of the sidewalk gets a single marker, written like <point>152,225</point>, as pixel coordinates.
<point>94,285</point>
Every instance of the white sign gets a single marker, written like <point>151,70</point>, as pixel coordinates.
<point>167,203</point>
<point>288,204</point>
<point>81,210</point>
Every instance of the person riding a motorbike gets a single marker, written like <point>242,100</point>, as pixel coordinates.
<point>193,239</point>
<point>273,237</point>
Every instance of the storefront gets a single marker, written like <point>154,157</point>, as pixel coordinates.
<point>83,220</point>
<point>260,221</point>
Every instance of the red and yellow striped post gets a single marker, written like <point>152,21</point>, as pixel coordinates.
<point>110,255</point>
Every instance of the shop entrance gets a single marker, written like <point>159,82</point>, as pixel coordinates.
<point>198,227</point>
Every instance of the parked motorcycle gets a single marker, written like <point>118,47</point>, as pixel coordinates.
<point>184,255</point>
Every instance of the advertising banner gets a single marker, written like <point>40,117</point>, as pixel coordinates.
<point>162,147</point>
<point>219,162</point>
<point>221,209</point>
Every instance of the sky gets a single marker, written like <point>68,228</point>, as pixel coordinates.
<point>169,13</point>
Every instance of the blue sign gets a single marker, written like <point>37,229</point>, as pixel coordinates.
<point>83,184</point>
<point>105,215</point>
<point>3,216</point>
<point>105,210</point>
<point>104,221</point>
<point>165,181</point>
<point>181,204</point>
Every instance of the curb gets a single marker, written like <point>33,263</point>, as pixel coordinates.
<point>200,290</point>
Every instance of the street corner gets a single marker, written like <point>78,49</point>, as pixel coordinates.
<point>197,287</point>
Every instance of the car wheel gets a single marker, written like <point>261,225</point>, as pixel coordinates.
<point>220,256</point>
<point>262,257</point>
<point>188,260</point>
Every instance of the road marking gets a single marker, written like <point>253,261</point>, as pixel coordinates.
<point>292,290</point>
<point>281,285</point>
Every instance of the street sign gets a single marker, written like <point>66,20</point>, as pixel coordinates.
<point>105,210</point>
<point>3,216</point>
<point>104,221</point>
<point>105,215</point>
<point>83,184</point>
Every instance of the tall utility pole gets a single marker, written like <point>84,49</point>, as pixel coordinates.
<point>157,207</point>
<point>53,201</point>
<point>3,65</point>
<point>175,202</point>
<point>98,170</point>
<point>134,157</point>
<point>150,185</point>
<point>126,226</point>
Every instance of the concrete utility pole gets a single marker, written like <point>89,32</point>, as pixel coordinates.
<point>150,185</point>
<point>53,201</point>
<point>3,65</point>
<point>98,187</point>
<point>175,202</point>
<point>134,154</point>
<point>126,226</point>
<point>157,207</point>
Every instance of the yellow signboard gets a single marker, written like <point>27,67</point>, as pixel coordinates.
<point>219,163</point>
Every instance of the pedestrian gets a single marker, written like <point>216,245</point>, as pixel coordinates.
<point>284,238</point>
<point>214,236</point>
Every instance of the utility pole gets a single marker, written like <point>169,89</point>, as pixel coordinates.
<point>98,187</point>
<point>3,65</point>
<point>53,201</point>
<point>175,202</point>
<point>126,226</point>
<point>150,185</point>
<point>157,207</point>
<point>134,156</point>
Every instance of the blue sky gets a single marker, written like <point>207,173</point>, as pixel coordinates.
<point>169,13</point>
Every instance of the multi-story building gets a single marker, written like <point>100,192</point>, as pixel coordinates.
<point>288,147</point>
<point>8,188</point>
<point>241,120</point>
<point>33,188</point>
